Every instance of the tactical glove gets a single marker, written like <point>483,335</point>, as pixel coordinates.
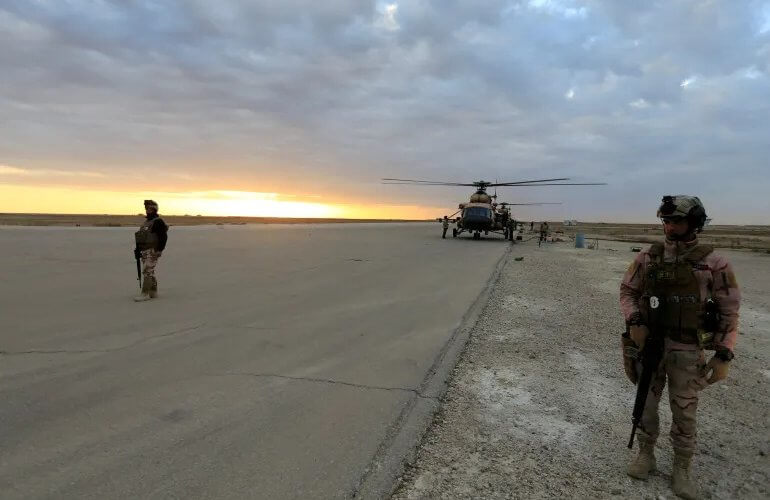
<point>639,334</point>
<point>718,369</point>
<point>630,355</point>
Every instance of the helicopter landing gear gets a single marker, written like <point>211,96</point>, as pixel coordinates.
<point>477,235</point>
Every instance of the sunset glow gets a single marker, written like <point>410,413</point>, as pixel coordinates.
<point>53,200</point>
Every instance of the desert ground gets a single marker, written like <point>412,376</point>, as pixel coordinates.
<point>539,406</point>
<point>749,237</point>
<point>345,360</point>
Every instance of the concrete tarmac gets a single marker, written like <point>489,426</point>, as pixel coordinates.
<point>278,361</point>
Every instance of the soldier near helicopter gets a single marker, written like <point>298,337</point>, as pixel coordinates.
<point>683,298</point>
<point>511,228</point>
<point>543,232</point>
<point>151,240</point>
<point>444,226</point>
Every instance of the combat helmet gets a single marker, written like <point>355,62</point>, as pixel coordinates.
<point>682,205</point>
<point>151,204</point>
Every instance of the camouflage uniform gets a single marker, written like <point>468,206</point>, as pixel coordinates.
<point>445,226</point>
<point>151,240</point>
<point>149,281</point>
<point>683,361</point>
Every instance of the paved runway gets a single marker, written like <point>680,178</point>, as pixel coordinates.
<point>275,364</point>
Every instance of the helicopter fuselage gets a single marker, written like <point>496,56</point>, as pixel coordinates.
<point>477,217</point>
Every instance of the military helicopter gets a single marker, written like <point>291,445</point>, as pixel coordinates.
<point>481,213</point>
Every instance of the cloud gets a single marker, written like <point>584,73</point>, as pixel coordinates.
<point>327,97</point>
<point>7,170</point>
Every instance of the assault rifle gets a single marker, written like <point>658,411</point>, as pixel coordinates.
<point>650,356</point>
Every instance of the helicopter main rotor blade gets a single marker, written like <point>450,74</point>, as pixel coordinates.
<point>427,183</point>
<point>484,184</point>
<point>517,183</point>
<point>558,184</point>
<point>545,203</point>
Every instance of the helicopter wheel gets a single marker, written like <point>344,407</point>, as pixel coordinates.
<point>477,235</point>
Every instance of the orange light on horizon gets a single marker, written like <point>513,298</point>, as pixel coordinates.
<point>53,200</point>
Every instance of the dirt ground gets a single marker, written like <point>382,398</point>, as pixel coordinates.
<point>539,407</point>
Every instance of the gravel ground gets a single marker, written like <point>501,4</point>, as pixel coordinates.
<point>538,405</point>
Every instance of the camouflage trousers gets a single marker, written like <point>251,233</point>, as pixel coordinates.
<point>149,261</point>
<point>684,372</point>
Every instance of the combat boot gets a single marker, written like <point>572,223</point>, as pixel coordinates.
<point>146,290</point>
<point>644,462</point>
<point>683,485</point>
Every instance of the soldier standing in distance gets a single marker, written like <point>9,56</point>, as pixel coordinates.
<point>150,242</point>
<point>697,296</point>
<point>445,226</point>
<point>543,232</point>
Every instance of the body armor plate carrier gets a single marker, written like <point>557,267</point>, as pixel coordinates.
<point>684,316</point>
<point>145,238</point>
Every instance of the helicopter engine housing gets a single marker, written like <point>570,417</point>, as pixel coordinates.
<point>481,197</point>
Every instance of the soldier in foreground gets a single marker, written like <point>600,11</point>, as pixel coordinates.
<point>150,242</point>
<point>445,226</point>
<point>682,297</point>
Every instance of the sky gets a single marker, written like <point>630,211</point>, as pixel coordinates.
<point>299,108</point>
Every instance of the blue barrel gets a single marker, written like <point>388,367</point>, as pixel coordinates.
<point>580,240</point>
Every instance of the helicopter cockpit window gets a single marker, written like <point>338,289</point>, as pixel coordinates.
<point>477,212</point>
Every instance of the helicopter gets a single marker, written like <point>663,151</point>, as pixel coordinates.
<point>482,213</point>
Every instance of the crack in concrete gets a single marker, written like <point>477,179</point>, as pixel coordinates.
<point>97,351</point>
<point>323,381</point>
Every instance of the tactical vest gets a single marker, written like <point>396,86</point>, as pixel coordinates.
<point>145,238</point>
<point>674,288</point>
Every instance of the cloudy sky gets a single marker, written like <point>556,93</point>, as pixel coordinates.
<point>236,105</point>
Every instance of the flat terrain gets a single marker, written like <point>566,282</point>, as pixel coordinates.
<point>539,406</point>
<point>108,220</point>
<point>755,238</point>
<point>278,362</point>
